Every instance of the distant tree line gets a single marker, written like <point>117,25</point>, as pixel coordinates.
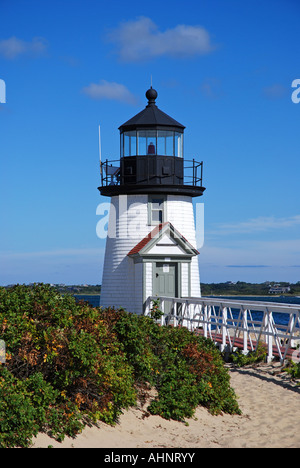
<point>229,288</point>
<point>88,289</point>
<point>241,288</point>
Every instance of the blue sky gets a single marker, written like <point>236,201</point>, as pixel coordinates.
<point>223,68</point>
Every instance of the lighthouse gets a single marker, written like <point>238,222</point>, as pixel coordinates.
<point>151,240</point>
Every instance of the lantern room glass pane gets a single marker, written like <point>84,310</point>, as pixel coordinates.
<point>165,143</point>
<point>147,142</point>
<point>142,143</point>
<point>129,144</point>
<point>170,144</point>
<point>133,144</point>
<point>178,144</point>
<point>161,142</point>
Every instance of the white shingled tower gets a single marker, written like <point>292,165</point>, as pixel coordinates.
<point>151,242</point>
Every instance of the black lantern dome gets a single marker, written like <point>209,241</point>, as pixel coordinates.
<point>151,156</point>
<point>151,116</point>
<point>151,94</point>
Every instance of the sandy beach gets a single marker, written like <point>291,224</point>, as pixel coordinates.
<point>268,398</point>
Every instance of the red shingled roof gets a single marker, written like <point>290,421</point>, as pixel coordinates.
<point>154,233</point>
<point>147,239</point>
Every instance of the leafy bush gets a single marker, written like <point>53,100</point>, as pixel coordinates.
<point>68,364</point>
<point>293,368</point>
<point>32,405</point>
<point>187,370</point>
<point>192,373</point>
<point>253,357</point>
<point>69,347</point>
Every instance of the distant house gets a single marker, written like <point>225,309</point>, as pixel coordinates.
<point>277,289</point>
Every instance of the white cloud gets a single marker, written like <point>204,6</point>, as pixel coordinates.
<point>262,223</point>
<point>228,253</point>
<point>65,265</point>
<point>141,40</point>
<point>109,90</point>
<point>255,261</point>
<point>275,91</point>
<point>212,88</point>
<point>14,47</point>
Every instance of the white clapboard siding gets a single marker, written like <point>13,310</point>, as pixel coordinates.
<point>119,285</point>
<point>123,282</point>
<point>181,214</point>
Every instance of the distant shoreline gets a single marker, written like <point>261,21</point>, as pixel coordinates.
<point>227,289</point>
<point>209,295</point>
<point>250,295</point>
<point>86,294</point>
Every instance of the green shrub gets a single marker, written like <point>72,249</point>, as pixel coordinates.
<point>68,364</point>
<point>293,369</point>
<point>17,413</point>
<point>138,336</point>
<point>192,373</point>
<point>32,405</point>
<point>253,357</point>
<point>73,350</point>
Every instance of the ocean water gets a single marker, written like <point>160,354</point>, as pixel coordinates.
<point>92,300</point>
<point>280,319</point>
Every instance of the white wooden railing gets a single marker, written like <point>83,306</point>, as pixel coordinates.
<point>214,319</point>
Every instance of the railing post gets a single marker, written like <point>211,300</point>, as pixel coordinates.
<point>147,306</point>
<point>224,327</point>
<point>205,318</point>
<point>270,337</point>
<point>162,304</point>
<point>201,172</point>
<point>186,315</point>
<point>209,320</point>
<point>193,171</point>
<point>245,332</point>
<point>174,310</point>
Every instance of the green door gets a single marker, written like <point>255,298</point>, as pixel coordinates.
<point>165,281</point>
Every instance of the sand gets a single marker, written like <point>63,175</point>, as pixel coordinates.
<point>268,398</point>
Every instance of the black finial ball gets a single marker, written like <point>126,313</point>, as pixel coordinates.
<point>151,94</point>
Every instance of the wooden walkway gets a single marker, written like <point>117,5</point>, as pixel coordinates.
<point>214,319</point>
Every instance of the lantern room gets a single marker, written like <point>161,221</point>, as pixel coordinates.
<point>151,132</point>
<point>151,157</point>
<point>148,141</point>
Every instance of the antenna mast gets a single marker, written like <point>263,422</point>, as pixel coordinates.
<point>101,171</point>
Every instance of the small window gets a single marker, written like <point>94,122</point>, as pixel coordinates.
<point>156,210</point>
